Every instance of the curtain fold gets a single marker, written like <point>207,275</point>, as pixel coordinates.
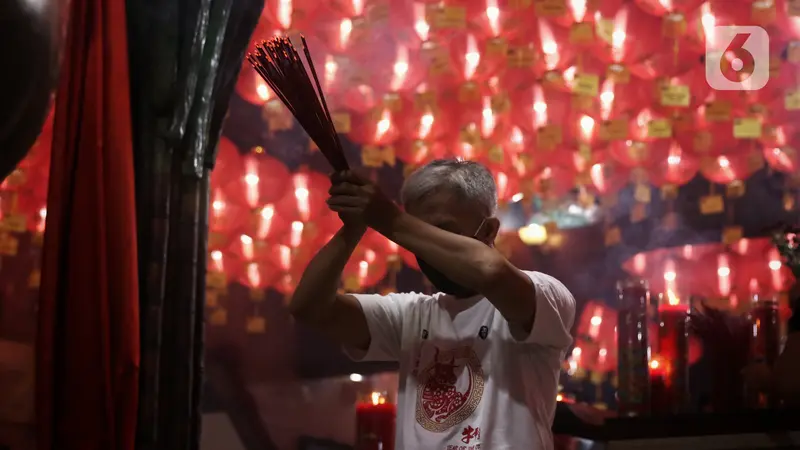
<point>88,318</point>
<point>185,57</point>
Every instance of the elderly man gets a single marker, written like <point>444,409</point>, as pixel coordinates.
<point>479,361</point>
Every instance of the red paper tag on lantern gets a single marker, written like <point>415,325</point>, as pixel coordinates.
<point>342,122</point>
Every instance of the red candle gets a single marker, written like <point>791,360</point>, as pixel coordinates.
<point>375,422</point>
<point>673,349</point>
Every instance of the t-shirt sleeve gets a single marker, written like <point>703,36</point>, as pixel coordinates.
<point>384,314</point>
<point>555,313</point>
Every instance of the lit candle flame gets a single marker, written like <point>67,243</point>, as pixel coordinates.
<point>493,16</point>
<point>296,236</point>
<point>265,221</point>
<point>421,26</point>
<point>253,275</point>
<point>248,249</point>
<point>217,260</point>
<point>284,13</point>
<point>345,29</point>
<point>488,122</point>
<point>400,68</point>
<point>472,58</point>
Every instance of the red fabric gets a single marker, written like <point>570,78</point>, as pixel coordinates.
<point>88,342</point>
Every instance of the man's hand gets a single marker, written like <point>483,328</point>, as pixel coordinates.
<point>359,202</point>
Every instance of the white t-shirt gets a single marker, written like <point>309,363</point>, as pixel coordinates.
<point>465,382</point>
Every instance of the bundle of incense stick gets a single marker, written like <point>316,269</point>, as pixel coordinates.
<point>280,65</point>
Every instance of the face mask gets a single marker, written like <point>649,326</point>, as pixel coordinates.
<point>440,280</point>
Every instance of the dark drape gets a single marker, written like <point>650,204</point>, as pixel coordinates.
<point>185,57</point>
<point>88,317</point>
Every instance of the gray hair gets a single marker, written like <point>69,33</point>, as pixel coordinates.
<point>468,180</point>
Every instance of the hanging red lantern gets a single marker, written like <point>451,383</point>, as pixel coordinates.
<point>418,152</point>
<point>677,167</point>
<point>288,15</point>
<point>305,198</point>
<point>263,180</point>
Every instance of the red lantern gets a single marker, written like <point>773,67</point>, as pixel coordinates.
<point>305,198</point>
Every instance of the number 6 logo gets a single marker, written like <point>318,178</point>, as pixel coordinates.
<point>737,58</point>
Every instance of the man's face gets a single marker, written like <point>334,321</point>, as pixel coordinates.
<point>445,211</point>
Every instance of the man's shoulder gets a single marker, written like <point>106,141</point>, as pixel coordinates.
<point>551,283</point>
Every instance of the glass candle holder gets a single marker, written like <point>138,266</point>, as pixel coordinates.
<point>765,343</point>
<point>672,364</point>
<point>375,422</point>
<point>633,348</point>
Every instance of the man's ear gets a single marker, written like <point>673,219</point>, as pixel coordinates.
<point>490,230</point>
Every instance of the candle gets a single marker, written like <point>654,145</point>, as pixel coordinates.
<point>633,348</point>
<point>660,398</point>
<point>764,342</point>
<point>375,422</point>
<point>673,351</point>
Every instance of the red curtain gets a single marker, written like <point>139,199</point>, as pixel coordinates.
<point>88,337</point>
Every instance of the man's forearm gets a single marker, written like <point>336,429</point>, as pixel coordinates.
<point>439,248</point>
<point>320,281</point>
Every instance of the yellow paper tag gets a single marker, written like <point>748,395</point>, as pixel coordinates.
<point>613,236</point>
<point>659,129</point>
<point>519,4</point>
<point>793,52</point>
<point>735,189</point>
<point>256,294</point>
<point>614,130</point>
<point>718,111</point>
<point>549,137</point>
<point>469,92</point>
<point>16,223</point>
<point>450,18</point>
<point>216,280</point>
<point>604,28</point>
<point>377,13</point>
<point>373,156</point>
<point>793,8</point>
<point>581,33</point>
<point>521,57</point>
<point>674,25</point>
<point>392,102</point>
<point>711,204</point>
<point>792,100</point>
<point>638,151</point>
<point>732,234</point>
<point>669,192</point>
<point>638,212</point>
<point>675,95</point>
<point>496,154</point>
<point>618,74</point>
<point>256,325</point>
<point>342,122</point>
<point>642,193</point>
<point>670,221</point>
<point>550,8</point>
<point>497,47</point>
<point>351,284</point>
<point>500,103</point>
<point>746,128</point>
<point>212,298</point>
<point>585,152</point>
<point>218,317</point>
<point>763,12</point>
<point>425,101</point>
<point>586,84</point>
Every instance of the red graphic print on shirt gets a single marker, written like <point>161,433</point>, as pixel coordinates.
<point>450,389</point>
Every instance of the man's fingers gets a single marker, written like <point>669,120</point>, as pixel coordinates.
<point>347,201</point>
<point>347,176</point>
<point>344,189</point>
<point>346,209</point>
